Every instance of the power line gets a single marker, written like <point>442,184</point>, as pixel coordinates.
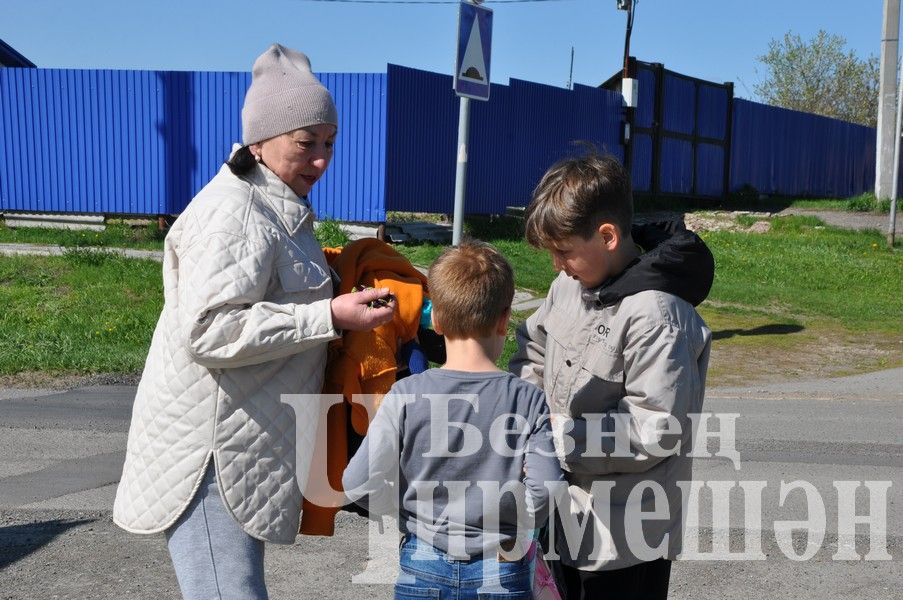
<point>432,1</point>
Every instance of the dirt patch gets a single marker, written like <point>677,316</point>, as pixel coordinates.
<point>760,222</point>
<point>849,219</point>
<point>66,381</point>
<point>817,354</point>
<point>722,220</point>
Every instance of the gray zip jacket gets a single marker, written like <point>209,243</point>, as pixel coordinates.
<point>629,357</point>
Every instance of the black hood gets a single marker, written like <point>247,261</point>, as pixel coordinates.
<point>676,261</point>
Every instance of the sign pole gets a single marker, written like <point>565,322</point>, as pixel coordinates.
<point>471,81</point>
<point>461,171</point>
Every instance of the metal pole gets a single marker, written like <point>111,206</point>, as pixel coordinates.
<point>461,173</point>
<point>890,34</point>
<point>571,73</point>
<point>891,230</point>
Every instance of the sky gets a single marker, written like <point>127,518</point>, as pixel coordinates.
<point>717,40</point>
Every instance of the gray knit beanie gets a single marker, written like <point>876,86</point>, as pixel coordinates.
<point>284,95</point>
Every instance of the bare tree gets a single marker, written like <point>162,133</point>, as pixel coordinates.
<point>820,76</point>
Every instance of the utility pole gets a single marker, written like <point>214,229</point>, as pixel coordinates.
<point>884,163</point>
<point>629,86</point>
<point>571,74</point>
<point>630,6</point>
<point>892,226</point>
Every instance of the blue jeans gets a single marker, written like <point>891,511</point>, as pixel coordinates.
<point>212,556</point>
<point>427,572</point>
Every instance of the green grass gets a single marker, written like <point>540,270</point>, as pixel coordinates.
<point>89,312</point>
<point>120,235</point>
<point>532,268</point>
<point>421,254</point>
<point>803,268</point>
<point>801,276</point>
<point>800,267</point>
<point>85,312</point>
<point>116,235</point>
<point>862,203</point>
<point>330,235</point>
<point>826,204</point>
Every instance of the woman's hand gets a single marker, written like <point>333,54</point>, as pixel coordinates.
<point>351,311</point>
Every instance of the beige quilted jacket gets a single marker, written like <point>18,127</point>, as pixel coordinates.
<point>246,318</point>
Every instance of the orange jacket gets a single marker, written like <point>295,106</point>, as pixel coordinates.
<point>363,362</point>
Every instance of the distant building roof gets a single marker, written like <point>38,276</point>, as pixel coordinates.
<point>9,57</point>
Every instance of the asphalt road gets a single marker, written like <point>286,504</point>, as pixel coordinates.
<point>61,452</point>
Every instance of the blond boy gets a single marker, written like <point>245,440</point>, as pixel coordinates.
<point>470,444</point>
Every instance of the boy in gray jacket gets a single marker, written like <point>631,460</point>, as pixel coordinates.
<point>622,356</point>
<point>464,453</point>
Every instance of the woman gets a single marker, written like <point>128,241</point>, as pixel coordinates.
<point>248,312</point>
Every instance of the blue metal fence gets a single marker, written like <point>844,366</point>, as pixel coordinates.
<point>144,142</point>
<point>786,152</point>
<point>514,138</point>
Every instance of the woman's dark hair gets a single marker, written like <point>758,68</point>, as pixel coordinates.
<point>242,161</point>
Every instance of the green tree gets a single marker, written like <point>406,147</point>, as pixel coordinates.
<point>820,76</point>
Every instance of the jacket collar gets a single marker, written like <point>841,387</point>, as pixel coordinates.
<point>292,209</point>
<point>676,261</point>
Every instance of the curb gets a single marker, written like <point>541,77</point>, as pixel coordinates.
<point>39,250</point>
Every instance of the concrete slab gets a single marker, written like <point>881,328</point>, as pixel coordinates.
<point>52,221</point>
<point>532,304</point>
<point>421,231</point>
<point>42,250</point>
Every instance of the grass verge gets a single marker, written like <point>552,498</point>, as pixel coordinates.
<point>116,235</point>
<point>800,300</point>
<point>862,203</point>
<point>84,312</point>
<point>121,235</point>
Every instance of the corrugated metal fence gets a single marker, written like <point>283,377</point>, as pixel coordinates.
<point>514,137</point>
<point>144,142</point>
<point>786,152</point>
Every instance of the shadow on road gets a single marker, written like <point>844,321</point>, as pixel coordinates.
<point>772,329</point>
<point>18,541</point>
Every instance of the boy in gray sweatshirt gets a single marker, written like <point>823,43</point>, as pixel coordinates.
<point>463,453</point>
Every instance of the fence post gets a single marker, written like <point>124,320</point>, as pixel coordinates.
<point>657,125</point>
<point>728,139</point>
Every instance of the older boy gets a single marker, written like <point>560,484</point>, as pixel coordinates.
<point>621,355</point>
<point>472,443</point>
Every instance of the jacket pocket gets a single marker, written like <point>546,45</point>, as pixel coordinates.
<point>600,383</point>
<point>607,366</point>
<point>303,276</point>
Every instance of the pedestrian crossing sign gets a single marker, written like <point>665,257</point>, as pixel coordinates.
<point>474,45</point>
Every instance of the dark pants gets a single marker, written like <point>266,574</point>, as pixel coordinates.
<point>645,581</point>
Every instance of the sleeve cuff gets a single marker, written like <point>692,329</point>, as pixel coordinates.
<point>314,321</point>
